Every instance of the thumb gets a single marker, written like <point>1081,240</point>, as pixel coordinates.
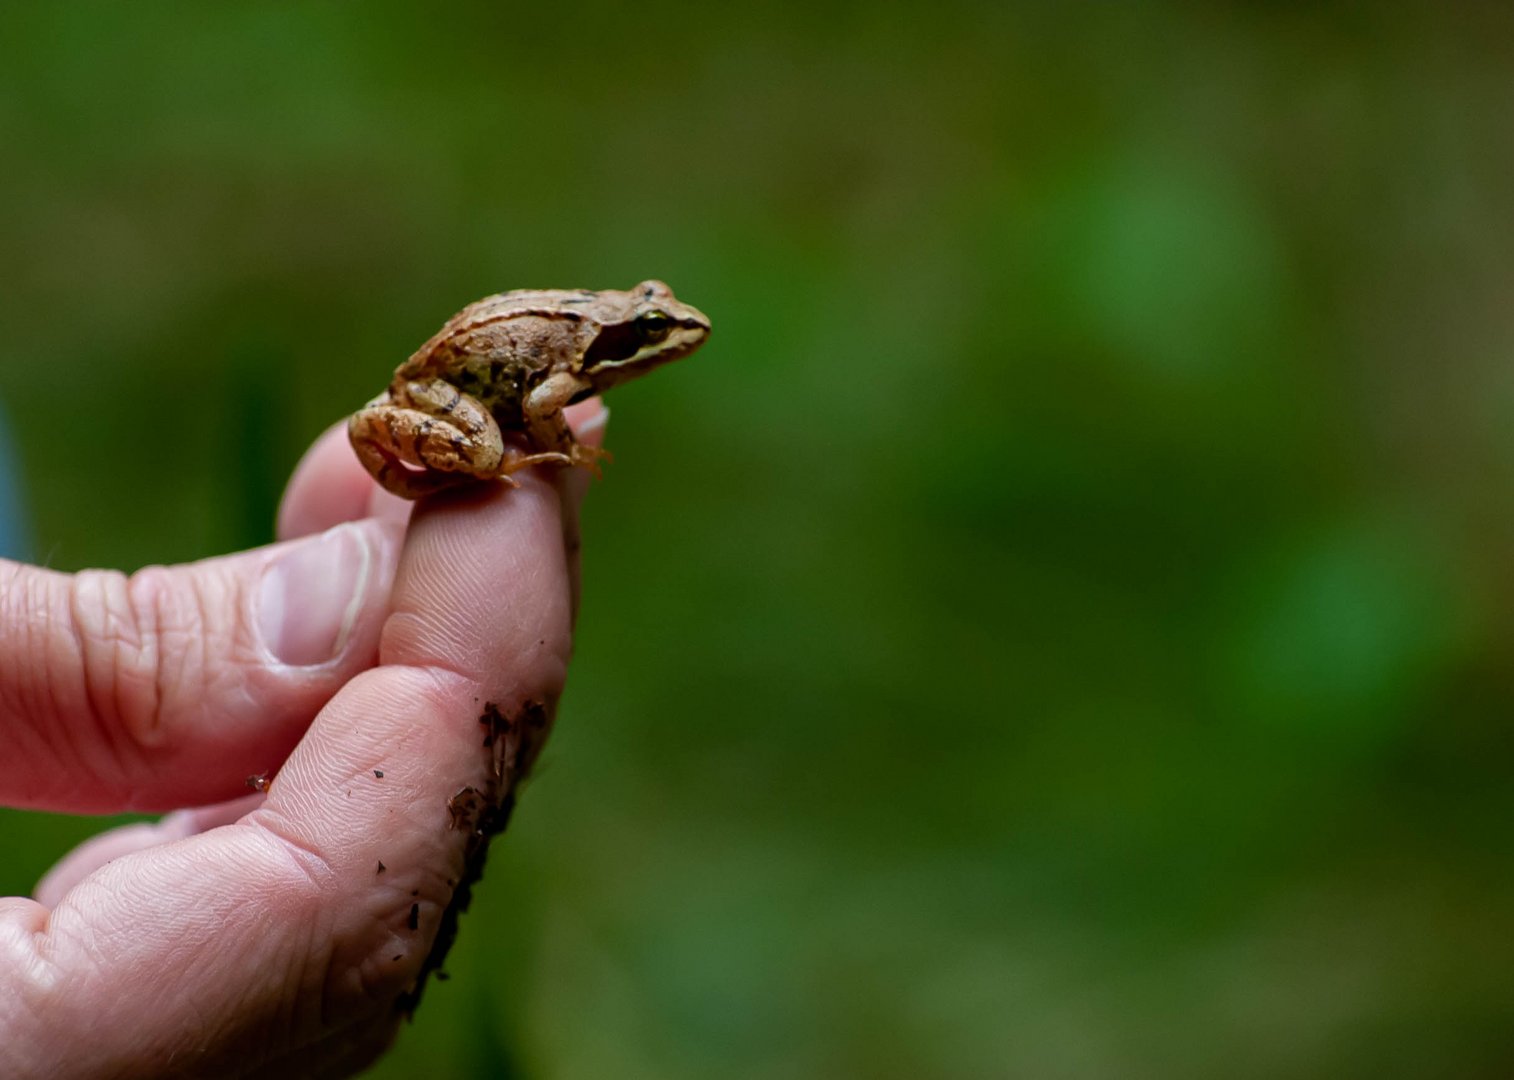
<point>169,687</point>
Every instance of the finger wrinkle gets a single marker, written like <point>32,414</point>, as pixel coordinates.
<point>444,684</point>
<point>29,653</point>
<point>173,612</point>
<point>35,982</point>
<point>23,930</point>
<point>113,625</point>
<point>142,640</point>
<point>304,856</point>
<point>433,645</point>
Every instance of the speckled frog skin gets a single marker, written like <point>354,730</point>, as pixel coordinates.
<point>508,365</point>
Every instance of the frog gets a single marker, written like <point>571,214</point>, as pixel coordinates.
<point>499,374</point>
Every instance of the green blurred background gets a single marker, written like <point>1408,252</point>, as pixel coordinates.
<point>1060,625</point>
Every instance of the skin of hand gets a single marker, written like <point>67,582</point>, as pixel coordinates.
<point>255,935</point>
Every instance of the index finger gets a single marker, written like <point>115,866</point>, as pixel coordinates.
<point>319,909</point>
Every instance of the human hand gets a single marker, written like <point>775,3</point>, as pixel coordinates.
<point>279,934</point>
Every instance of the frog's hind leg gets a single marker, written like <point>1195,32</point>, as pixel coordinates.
<point>493,457</point>
<point>393,474</point>
<point>426,437</point>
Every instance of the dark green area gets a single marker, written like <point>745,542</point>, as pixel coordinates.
<point>1061,624</point>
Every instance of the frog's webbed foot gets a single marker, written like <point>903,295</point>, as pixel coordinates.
<point>516,459</point>
<point>590,457</point>
<point>575,453</point>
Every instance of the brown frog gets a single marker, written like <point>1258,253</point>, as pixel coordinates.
<point>509,365</point>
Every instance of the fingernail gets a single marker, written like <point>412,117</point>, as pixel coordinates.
<point>590,431</point>
<point>594,425</point>
<point>311,595</point>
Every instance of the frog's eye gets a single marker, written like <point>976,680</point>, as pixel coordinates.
<point>653,326</point>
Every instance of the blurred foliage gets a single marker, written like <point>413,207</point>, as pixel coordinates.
<point>1061,624</point>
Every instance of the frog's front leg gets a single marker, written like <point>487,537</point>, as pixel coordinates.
<point>548,429</point>
<point>424,436</point>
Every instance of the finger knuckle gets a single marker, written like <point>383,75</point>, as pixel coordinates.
<point>139,636</point>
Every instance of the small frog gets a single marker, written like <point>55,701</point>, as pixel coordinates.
<point>509,365</point>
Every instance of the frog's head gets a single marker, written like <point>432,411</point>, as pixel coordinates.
<point>639,330</point>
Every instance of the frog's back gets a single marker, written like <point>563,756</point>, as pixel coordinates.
<point>463,328</point>
<point>496,348</point>
<point>475,328</point>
